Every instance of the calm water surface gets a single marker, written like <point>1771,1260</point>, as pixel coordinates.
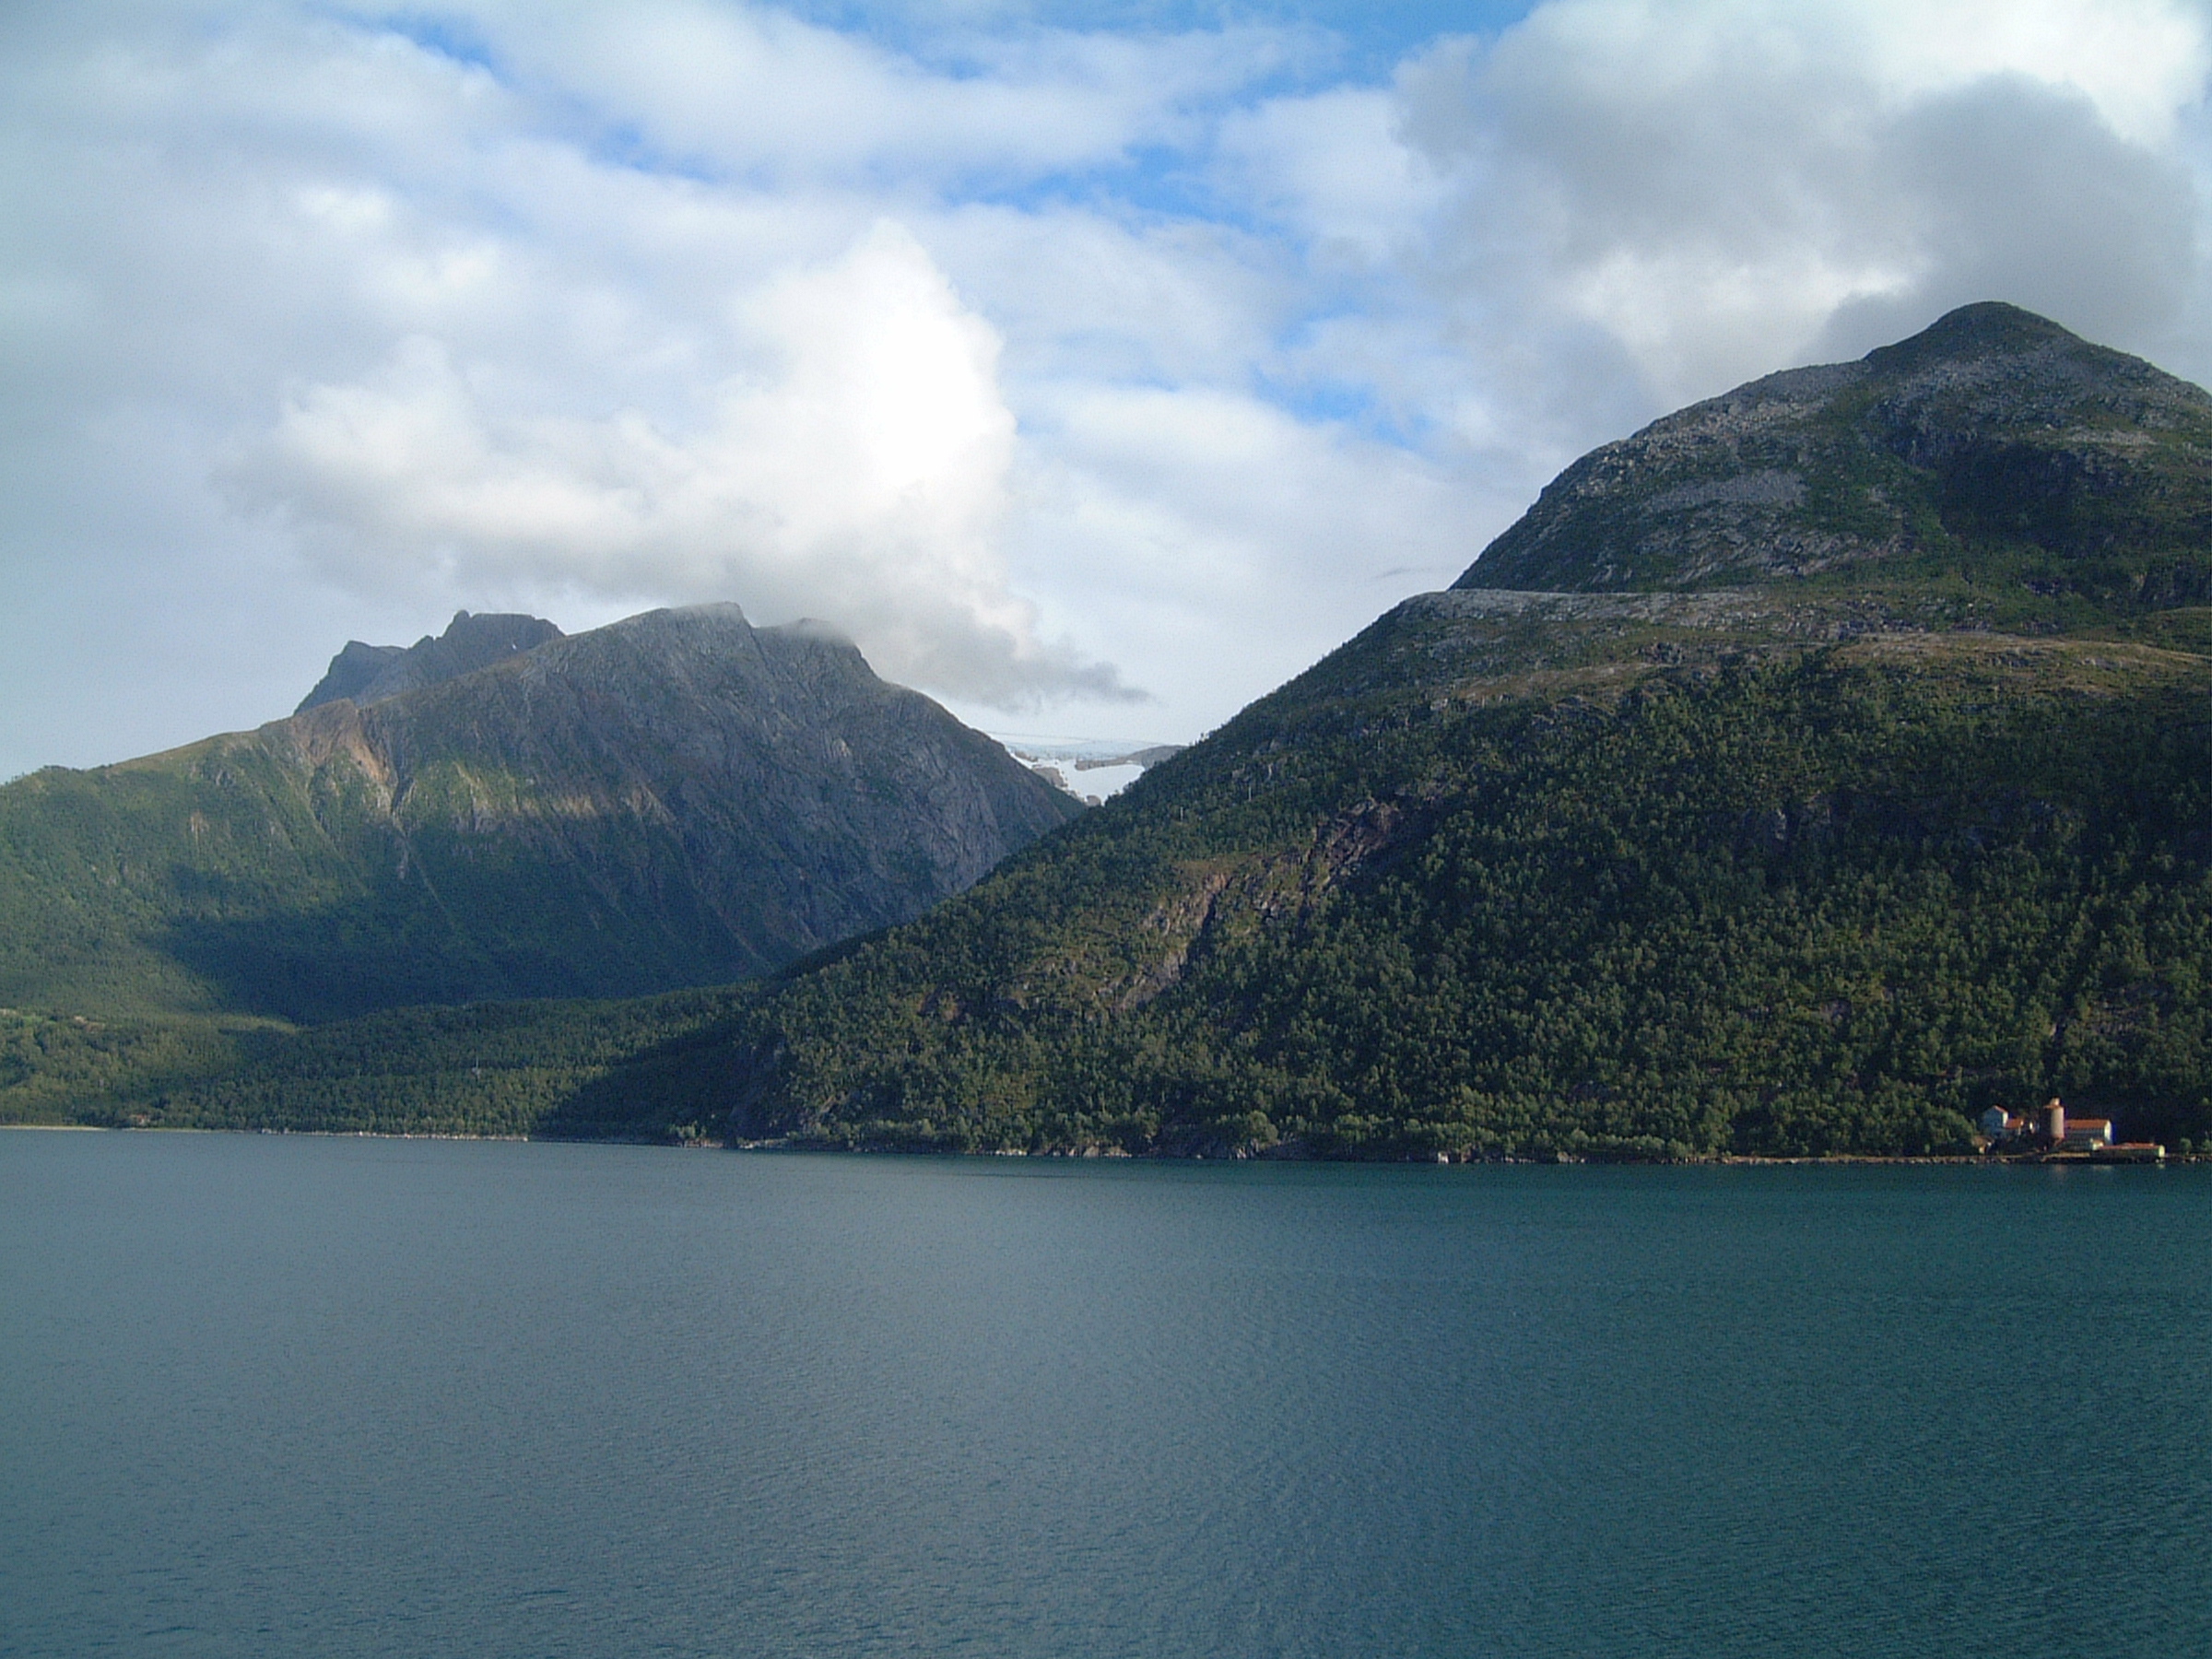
<point>265,1396</point>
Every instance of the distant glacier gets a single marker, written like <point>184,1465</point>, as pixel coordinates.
<point>1094,769</point>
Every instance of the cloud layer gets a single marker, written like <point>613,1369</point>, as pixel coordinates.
<point>857,467</point>
<point>1714,188</point>
<point>1054,362</point>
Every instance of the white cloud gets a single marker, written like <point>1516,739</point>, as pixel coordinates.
<point>1223,545</point>
<point>1118,300</point>
<point>749,92</point>
<point>859,470</point>
<point>1334,166</point>
<point>1719,187</point>
<point>1014,350</point>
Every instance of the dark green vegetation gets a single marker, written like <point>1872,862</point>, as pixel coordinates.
<point>1633,865</point>
<point>1809,900</point>
<point>674,800</point>
<point>489,1069</point>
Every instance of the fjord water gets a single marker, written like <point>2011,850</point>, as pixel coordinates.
<point>319,1397</point>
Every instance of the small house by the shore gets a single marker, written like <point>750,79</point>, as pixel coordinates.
<point>2054,1133</point>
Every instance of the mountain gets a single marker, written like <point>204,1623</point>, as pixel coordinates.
<point>366,674</point>
<point>1799,776</point>
<point>1995,445</point>
<point>1808,771</point>
<point>677,799</point>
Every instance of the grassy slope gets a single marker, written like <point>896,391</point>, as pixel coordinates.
<point>233,878</point>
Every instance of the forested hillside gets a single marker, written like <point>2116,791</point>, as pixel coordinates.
<point>1631,861</point>
<point>1820,899</point>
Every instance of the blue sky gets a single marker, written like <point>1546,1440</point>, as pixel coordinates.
<point>1365,43</point>
<point>1096,366</point>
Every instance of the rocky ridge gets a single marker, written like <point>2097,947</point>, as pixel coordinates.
<point>367,674</point>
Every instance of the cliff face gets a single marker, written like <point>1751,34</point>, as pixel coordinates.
<point>1994,442</point>
<point>677,799</point>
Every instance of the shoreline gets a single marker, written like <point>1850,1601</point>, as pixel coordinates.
<point>73,1128</point>
<point>1718,1160</point>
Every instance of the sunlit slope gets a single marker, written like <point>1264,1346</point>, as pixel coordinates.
<point>675,800</point>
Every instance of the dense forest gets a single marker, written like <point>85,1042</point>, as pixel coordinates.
<point>1834,903</point>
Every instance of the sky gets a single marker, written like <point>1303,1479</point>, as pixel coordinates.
<point>1096,366</point>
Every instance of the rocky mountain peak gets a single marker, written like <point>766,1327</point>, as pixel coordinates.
<point>505,811</point>
<point>1995,443</point>
<point>1987,328</point>
<point>367,674</point>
